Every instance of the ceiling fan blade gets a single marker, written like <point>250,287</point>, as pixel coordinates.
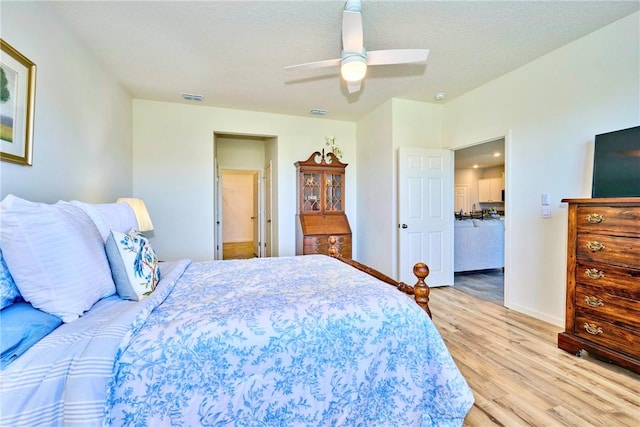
<point>352,32</point>
<point>353,87</point>
<point>396,56</point>
<point>312,65</point>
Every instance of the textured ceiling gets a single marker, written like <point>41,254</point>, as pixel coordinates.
<point>482,156</point>
<point>234,52</point>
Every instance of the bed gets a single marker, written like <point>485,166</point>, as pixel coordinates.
<point>288,341</point>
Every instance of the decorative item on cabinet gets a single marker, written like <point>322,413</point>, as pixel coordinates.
<point>321,213</point>
<point>603,280</point>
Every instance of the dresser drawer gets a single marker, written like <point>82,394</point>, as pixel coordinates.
<point>609,220</point>
<point>319,244</point>
<point>323,239</point>
<point>607,334</point>
<point>621,251</point>
<point>624,282</point>
<point>618,310</point>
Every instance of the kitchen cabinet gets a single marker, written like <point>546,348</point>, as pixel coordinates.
<point>490,190</point>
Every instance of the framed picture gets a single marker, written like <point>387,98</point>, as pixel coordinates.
<point>17,98</point>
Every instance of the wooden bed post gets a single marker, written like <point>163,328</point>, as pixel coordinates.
<point>420,291</point>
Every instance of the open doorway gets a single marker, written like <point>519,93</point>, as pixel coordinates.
<point>240,229</point>
<point>479,227</point>
<point>244,196</point>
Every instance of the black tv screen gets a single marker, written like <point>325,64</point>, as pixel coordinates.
<point>616,164</point>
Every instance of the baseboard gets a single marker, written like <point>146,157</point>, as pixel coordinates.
<point>557,321</point>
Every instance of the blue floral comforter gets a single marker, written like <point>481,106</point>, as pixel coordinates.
<point>293,341</point>
<point>297,341</point>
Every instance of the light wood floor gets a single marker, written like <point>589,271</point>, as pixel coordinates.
<point>237,250</point>
<point>518,375</point>
<point>485,284</point>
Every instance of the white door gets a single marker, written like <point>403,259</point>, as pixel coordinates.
<point>461,198</point>
<point>425,204</point>
<point>255,216</point>
<point>267,210</point>
<point>218,213</point>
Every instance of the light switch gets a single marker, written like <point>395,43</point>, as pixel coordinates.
<point>545,211</point>
<point>545,199</point>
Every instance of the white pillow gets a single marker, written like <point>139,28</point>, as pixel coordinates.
<point>109,216</point>
<point>56,256</point>
<point>134,264</point>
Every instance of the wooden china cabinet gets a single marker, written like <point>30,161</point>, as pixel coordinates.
<point>321,215</point>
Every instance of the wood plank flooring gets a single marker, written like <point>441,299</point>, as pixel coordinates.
<point>486,284</point>
<point>518,375</point>
<point>237,250</point>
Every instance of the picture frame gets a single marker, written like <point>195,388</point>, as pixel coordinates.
<point>17,102</point>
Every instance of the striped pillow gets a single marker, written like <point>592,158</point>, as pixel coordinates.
<point>56,256</point>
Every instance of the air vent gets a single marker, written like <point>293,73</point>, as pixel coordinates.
<point>318,112</point>
<point>192,97</point>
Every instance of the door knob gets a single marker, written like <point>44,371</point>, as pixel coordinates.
<point>404,226</point>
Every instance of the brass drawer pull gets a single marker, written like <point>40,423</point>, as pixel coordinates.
<point>593,329</point>
<point>594,218</point>
<point>595,246</point>
<point>593,301</point>
<point>594,273</point>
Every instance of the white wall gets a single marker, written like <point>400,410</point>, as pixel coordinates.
<point>415,124</point>
<point>82,129</point>
<point>375,226</point>
<point>550,110</point>
<point>173,169</point>
<point>238,153</point>
<point>396,123</point>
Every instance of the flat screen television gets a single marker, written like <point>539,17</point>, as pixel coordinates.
<point>616,164</point>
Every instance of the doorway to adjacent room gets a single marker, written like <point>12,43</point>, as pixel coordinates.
<point>244,196</point>
<point>479,229</point>
<point>240,194</point>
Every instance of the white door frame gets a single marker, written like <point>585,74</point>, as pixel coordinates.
<point>258,217</point>
<point>267,209</point>
<point>507,221</point>
<point>217,201</point>
<point>217,211</point>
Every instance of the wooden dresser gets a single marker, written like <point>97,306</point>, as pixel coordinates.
<point>321,206</point>
<point>603,280</point>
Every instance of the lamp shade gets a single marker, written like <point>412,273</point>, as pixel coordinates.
<point>142,215</point>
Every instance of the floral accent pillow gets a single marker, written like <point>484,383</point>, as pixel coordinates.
<point>134,264</point>
<point>8,290</point>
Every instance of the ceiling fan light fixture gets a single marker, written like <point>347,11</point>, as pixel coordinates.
<point>353,68</point>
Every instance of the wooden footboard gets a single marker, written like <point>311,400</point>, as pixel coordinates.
<point>419,291</point>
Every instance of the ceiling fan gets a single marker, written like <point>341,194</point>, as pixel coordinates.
<point>355,59</point>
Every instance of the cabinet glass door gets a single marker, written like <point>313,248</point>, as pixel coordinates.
<point>333,192</point>
<point>311,192</point>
